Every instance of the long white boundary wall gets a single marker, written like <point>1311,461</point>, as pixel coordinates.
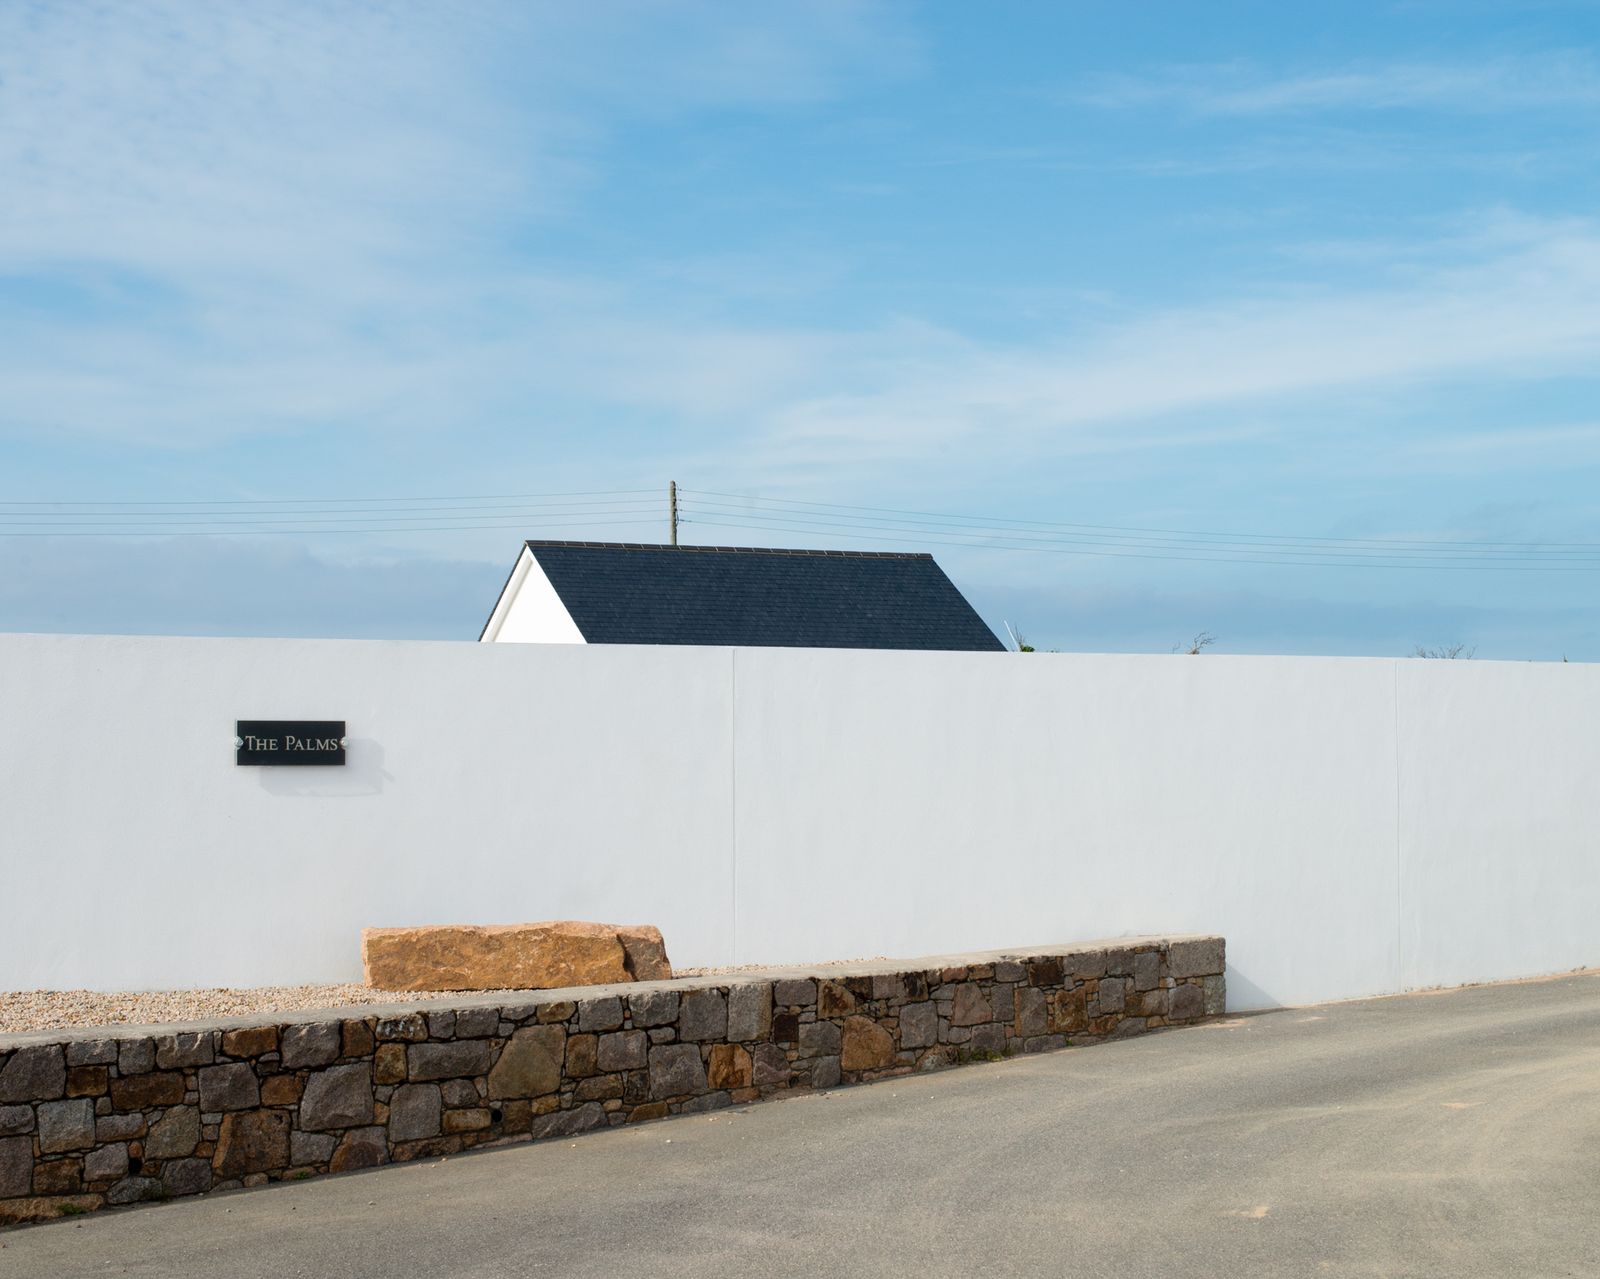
<point>1352,826</point>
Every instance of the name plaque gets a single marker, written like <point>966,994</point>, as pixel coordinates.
<point>289,741</point>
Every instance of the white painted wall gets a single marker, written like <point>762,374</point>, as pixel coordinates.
<point>1352,826</point>
<point>529,611</point>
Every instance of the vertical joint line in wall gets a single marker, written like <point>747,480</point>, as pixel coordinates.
<point>733,802</point>
<point>1399,869</point>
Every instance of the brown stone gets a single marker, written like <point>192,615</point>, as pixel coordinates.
<point>466,1120</point>
<point>141,1092</point>
<point>252,1141</point>
<point>582,1055</point>
<point>360,1148</point>
<point>357,1039</point>
<point>88,1081</point>
<point>251,1041</point>
<point>58,1177</point>
<point>833,1000</point>
<point>649,1110</point>
<point>646,951</point>
<point>729,1067</point>
<point>1065,1011</point>
<point>284,1090</point>
<point>867,1045</point>
<point>389,1064</point>
<point>543,956</point>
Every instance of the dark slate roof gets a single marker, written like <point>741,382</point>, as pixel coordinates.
<point>628,593</point>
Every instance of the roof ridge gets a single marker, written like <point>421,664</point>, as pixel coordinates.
<point>534,543</point>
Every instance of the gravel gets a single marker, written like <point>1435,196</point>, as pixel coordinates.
<point>26,1010</point>
<point>29,1010</point>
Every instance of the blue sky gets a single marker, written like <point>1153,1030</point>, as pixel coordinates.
<point>1185,272</point>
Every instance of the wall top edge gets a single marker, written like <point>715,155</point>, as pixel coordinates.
<point>882,654</point>
<point>499,999</point>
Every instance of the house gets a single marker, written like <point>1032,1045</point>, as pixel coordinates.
<point>628,593</point>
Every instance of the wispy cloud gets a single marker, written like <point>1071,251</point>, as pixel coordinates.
<point>1496,84</point>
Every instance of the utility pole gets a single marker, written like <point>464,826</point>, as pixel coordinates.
<point>672,507</point>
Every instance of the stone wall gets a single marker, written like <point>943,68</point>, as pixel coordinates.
<point>120,1115</point>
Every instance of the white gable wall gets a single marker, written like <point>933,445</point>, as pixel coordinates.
<point>530,611</point>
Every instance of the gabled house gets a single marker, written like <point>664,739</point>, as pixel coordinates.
<point>629,593</point>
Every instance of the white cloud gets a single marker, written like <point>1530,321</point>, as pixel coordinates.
<point>1528,82</point>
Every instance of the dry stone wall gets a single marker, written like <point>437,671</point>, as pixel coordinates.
<point>89,1119</point>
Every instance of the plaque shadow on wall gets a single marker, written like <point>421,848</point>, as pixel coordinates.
<point>362,773</point>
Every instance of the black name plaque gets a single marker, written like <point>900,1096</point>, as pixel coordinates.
<point>289,741</point>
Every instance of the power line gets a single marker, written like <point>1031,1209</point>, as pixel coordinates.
<point>944,539</point>
<point>1023,535</point>
<point>308,501</point>
<point>1115,528</point>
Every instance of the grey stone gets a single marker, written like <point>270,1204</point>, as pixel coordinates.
<point>106,1164</point>
<point>412,1027</point>
<point>1030,1006</point>
<point>1010,971</point>
<point>662,1034</point>
<point>118,1127</point>
<point>749,1012</point>
<point>1086,965</point>
<point>825,1072</point>
<point>1112,994</point>
<point>819,1038</point>
<point>988,1039</point>
<point>1216,995</point>
<point>315,1044</point>
<point>414,1112</point>
<point>563,1123</point>
<point>15,1119</point>
<point>600,1014</point>
<point>622,1050</point>
<point>132,1190</point>
<point>770,1065</point>
<point>92,1052</point>
<point>1198,958</point>
<point>16,1166</point>
<point>449,1061</point>
<point>919,1025</point>
<point>339,1097</point>
<point>1187,1002</point>
<point>1154,1003</point>
<point>176,1051</point>
<point>653,1008</point>
<point>676,1070</point>
<point>311,1147</point>
<point>136,1056</point>
<point>1119,962</point>
<point>796,992</point>
<point>34,1074</point>
<point>176,1134</point>
<point>703,1015</point>
<point>529,1065</point>
<point>230,1087</point>
<point>477,1023</point>
<point>711,1101</point>
<point>441,1025</point>
<point>460,1093</point>
<point>1146,970</point>
<point>186,1176</point>
<point>66,1125</point>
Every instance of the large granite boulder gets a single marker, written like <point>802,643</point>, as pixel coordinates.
<point>544,956</point>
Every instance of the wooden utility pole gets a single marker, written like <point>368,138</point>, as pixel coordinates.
<point>672,507</point>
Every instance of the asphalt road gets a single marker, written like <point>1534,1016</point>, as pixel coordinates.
<point>1452,1134</point>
